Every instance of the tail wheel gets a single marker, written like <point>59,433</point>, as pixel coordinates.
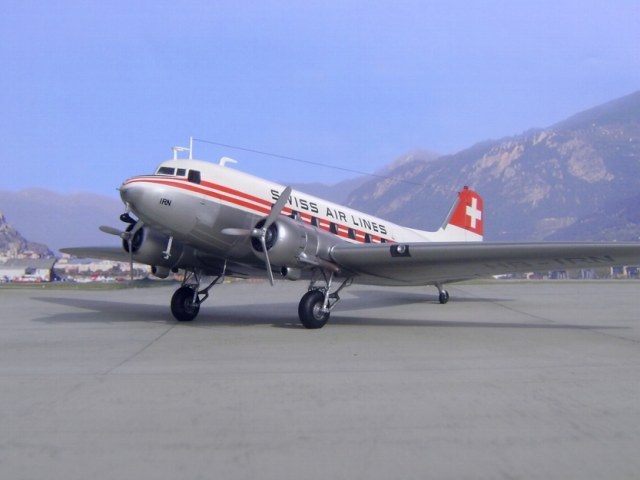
<point>183,306</point>
<point>310,310</point>
<point>443,297</point>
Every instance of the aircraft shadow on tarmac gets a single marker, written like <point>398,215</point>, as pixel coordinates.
<point>283,315</point>
<point>391,297</point>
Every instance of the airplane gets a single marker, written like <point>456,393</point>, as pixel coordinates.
<point>212,220</point>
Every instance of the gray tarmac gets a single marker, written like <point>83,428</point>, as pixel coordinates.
<point>508,380</point>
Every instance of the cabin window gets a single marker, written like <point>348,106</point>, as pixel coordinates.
<point>333,228</point>
<point>181,172</point>
<point>352,234</point>
<point>194,176</point>
<point>314,221</point>
<point>166,171</point>
<point>367,238</point>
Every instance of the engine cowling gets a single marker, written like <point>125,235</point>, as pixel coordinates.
<point>148,247</point>
<point>293,244</point>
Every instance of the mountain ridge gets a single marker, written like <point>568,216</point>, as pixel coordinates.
<point>535,184</point>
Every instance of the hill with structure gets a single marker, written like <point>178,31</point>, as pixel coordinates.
<point>14,245</point>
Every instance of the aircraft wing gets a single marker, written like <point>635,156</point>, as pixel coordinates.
<point>431,263</point>
<point>210,265</point>
<point>116,254</point>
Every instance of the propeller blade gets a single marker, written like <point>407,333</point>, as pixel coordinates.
<point>130,236</point>
<point>263,240</point>
<point>114,231</point>
<point>277,208</point>
<point>236,232</point>
<point>130,241</point>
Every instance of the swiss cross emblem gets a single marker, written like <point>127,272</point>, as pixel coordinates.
<point>474,214</point>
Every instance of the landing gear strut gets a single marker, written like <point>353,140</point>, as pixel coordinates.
<point>316,305</point>
<point>443,295</point>
<point>186,301</point>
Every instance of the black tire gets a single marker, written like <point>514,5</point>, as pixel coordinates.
<point>183,306</point>
<point>309,310</point>
<point>443,297</point>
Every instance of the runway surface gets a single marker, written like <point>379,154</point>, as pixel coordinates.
<point>508,380</point>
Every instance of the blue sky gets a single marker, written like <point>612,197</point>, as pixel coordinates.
<point>94,92</point>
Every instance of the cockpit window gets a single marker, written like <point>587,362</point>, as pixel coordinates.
<point>166,171</point>
<point>181,172</point>
<point>194,176</point>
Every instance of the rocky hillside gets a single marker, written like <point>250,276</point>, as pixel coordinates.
<point>573,180</point>
<point>12,244</point>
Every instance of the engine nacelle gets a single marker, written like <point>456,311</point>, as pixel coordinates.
<point>148,247</point>
<point>293,245</point>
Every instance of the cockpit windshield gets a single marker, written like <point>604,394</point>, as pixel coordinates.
<point>192,175</point>
<point>166,171</point>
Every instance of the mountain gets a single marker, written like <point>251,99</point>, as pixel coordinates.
<point>340,192</point>
<point>335,193</point>
<point>61,220</point>
<point>12,243</point>
<point>572,180</point>
<point>614,221</point>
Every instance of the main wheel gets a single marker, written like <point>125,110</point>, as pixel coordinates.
<point>182,305</point>
<point>310,310</point>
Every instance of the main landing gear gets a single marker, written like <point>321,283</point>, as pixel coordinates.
<point>185,303</point>
<point>314,308</point>
<point>316,305</point>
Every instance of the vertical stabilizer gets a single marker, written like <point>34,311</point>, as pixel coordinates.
<point>465,222</point>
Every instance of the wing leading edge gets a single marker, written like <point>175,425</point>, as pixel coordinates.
<point>431,263</point>
<point>115,254</point>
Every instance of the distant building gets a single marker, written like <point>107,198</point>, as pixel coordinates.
<point>625,272</point>
<point>91,269</point>
<point>27,270</point>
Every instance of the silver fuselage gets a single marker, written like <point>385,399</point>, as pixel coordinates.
<point>195,201</point>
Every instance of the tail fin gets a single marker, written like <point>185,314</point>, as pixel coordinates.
<point>465,222</point>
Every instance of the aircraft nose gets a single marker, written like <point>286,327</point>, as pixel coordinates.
<point>131,193</point>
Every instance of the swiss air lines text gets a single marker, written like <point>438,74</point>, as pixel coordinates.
<point>332,214</point>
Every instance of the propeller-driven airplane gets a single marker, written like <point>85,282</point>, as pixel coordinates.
<point>211,220</point>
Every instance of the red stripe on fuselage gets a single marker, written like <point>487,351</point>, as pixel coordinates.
<point>249,201</point>
<point>186,185</point>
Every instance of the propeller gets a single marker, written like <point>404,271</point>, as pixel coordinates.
<point>128,236</point>
<point>260,233</point>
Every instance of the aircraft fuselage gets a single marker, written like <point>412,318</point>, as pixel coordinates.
<point>195,202</point>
